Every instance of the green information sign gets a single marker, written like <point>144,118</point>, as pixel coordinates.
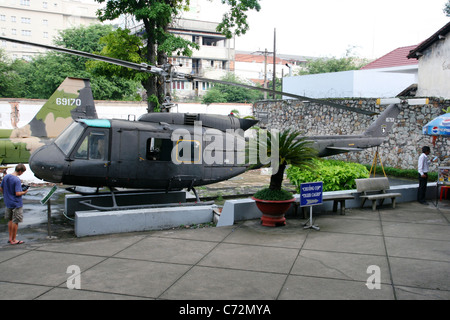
<point>47,197</point>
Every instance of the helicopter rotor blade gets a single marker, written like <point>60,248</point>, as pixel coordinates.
<point>136,66</point>
<point>143,67</point>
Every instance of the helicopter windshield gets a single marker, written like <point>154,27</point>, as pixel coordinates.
<point>69,137</point>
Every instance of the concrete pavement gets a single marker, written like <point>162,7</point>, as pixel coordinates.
<point>390,254</point>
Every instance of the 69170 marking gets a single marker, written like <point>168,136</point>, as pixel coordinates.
<point>68,102</point>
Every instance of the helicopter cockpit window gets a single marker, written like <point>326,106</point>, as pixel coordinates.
<point>69,137</point>
<point>93,146</point>
<point>159,149</point>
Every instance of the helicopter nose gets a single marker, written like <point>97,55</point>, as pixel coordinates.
<point>47,163</point>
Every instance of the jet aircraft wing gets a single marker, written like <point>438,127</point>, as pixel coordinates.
<point>344,149</point>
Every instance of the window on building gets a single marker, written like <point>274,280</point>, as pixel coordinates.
<point>178,85</point>
<point>13,18</point>
<point>25,3</point>
<point>45,22</point>
<point>206,85</point>
<point>207,41</point>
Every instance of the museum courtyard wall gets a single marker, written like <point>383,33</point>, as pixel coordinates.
<point>401,148</point>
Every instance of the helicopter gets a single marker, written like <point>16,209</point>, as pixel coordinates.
<point>72,100</point>
<point>170,151</point>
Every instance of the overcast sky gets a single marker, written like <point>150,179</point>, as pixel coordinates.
<point>327,28</point>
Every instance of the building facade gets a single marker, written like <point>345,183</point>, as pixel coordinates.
<point>385,77</point>
<point>433,56</point>
<point>40,21</point>
<point>214,59</point>
<point>257,66</point>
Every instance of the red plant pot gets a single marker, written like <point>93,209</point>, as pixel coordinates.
<point>273,211</point>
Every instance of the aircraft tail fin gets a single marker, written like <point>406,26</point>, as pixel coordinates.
<point>72,100</point>
<point>383,124</point>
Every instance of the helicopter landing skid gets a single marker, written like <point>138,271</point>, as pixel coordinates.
<point>115,206</point>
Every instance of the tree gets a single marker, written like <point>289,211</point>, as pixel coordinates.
<point>326,65</point>
<point>10,80</point>
<point>41,76</point>
<point>157,43</point>
<point>291,150</point>
<point>447,9</point>
<point>226,93</point>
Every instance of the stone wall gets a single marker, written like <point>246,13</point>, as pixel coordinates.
<point>401,149</point>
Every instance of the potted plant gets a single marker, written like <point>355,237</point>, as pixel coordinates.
<point>293,150</point>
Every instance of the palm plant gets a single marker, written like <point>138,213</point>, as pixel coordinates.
<point>292,150</point>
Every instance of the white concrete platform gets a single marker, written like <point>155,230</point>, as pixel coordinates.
<point>89,223</point>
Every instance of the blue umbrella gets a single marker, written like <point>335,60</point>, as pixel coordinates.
<point>439,126</point>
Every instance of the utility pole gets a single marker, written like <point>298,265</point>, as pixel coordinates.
<point>274,60</point>
<point>265,73</point>
<point>266,84</point>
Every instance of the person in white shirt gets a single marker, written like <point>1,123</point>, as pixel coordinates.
<point>423,167</point>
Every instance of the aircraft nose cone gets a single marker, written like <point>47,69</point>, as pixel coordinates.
<point>47,163</point>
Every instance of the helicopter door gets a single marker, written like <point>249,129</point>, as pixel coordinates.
<point>90,158</point>
<point>128,154</point>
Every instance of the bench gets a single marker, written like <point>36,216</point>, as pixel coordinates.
<point>375,189</point>
<point>336,198</point>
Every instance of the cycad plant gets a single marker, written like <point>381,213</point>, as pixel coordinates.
<point>292,150</point>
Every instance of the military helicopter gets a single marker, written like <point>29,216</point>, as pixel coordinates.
<point>71,100</point>
<point>164,151</point>
<point>167,150</point>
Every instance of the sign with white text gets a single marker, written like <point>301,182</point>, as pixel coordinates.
<point>311,193</point>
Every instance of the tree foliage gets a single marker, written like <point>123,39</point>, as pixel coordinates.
<point>327,65</point>
<point>292,150</point>
<point>226,93</point>
<point>10,80</point>
<point>336,175</point>
<point>44,73</point>
<point>156,17</point>
<point>447,9</point>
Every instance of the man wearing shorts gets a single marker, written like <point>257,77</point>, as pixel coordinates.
<point>11,187</point>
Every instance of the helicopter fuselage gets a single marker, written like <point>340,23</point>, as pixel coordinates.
<point>142,154</point>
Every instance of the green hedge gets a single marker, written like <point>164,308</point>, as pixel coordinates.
<point>336,175</point>
<point>402,173</point>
